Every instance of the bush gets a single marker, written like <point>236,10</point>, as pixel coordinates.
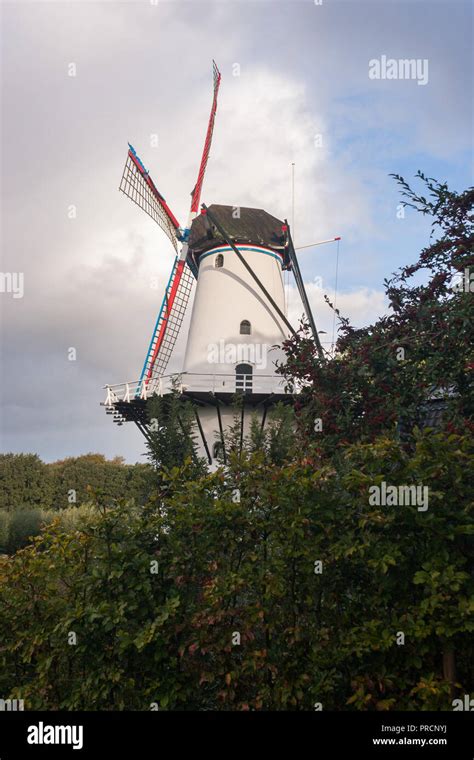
<point>23,525</point>
<point>4,527</point>
<point>71,519</point>
<point>203,601</point>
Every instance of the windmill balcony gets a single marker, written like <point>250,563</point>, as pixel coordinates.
<point>193,382</point>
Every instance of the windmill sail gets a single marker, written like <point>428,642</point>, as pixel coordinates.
<point>137,185</point>
<point>168,323</point>
<point>196,194</point>
<point>180,284</point>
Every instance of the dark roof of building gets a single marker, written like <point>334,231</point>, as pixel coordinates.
<point>253,225</point>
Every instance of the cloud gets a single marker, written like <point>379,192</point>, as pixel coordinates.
<point>362,307</point>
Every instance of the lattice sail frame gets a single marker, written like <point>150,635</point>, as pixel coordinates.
<point>168,324</point>
<point>137,185</point>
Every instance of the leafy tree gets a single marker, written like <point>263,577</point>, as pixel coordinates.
<point>28,483</point>
<point>76,477</point>
<point>24,482</point>
<point>172,432</point>
<point>234,441</point>
<point>280,437</point>
<point>276,439</point>
<point>382,376</point>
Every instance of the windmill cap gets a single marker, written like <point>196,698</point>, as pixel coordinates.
<point>242,224</point>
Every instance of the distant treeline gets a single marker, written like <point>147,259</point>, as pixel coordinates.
<point>33,492</point>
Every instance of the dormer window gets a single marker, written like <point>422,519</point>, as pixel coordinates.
<point>245,327</point>
<point>219,262</point>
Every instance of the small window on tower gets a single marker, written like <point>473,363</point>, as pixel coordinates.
<point>245,327</point>
<point>219,261</point>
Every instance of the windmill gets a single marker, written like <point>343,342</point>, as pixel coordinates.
<point>237,256</point>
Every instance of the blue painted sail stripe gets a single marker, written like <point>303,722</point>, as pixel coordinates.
<point>155,329</point>
<point>224,249</point>
<point>138,158</point>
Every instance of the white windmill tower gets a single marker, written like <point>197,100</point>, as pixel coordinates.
<point>237,256</point>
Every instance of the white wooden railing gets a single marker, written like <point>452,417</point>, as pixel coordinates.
<point>189,381</point>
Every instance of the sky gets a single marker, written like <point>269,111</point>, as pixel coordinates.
<point>81,79</point>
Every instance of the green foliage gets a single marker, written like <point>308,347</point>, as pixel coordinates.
<point>233,434</point>
<point>276,439</point>
<point>4,527</point>
<point>172,432</point>
<point>93,473</point>
<point>22,526</point>
<point>28,483</point>
<point>226,567</point>
<point>71,519</point>
<point>280,436</point>
<point>24,482</point>
<point>382,375</point>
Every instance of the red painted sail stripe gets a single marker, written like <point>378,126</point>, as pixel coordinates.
<point>167,312</point>
<point>207,146</point>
